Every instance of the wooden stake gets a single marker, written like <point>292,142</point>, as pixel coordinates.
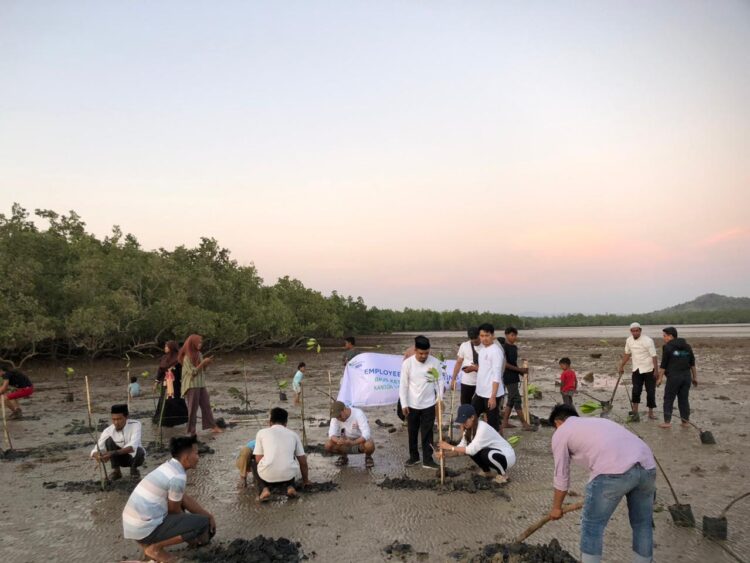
<point>330,394</point>
<point>450,425</point>
<point>534,527</point>
<point>302,412</point>
<point>525,394</point>
<point>88,398</point>
<point>127,379</point>
<point>5,425</point>
<point>440,438</point>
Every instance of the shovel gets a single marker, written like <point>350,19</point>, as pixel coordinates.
<point>716,528</point>
<point>707,438</point>
<point>534,527</point>
<point>682,514</point>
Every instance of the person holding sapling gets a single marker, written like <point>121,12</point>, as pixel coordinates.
<point>568,381</point>
<point>641,349</point>
<point>490,451</point>
<point>419,392</point>
<point>621,465</point>
<point>194,384</point>
<point>159,513</point>
<point>350,350</point>
<point>169,380</point>
<point>349,433</point>
<point>120,444</point>
<point>279,455</point>
<point>297,382</point>
<point>22,387</point>
<point>678,364</point>
<point>490,389</point>
<point>512,380</point>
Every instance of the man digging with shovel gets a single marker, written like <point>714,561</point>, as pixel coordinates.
<point>621,465</point>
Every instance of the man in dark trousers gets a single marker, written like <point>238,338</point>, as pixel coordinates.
<point>120,443</point>
<point>512,380</point>
<point>678,364</point>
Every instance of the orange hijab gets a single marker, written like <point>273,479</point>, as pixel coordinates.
<point>191,350</point>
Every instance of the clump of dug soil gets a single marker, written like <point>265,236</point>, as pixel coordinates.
<point>474,484</point>
<point>521,552</point>
<point>403,551</point>
<point>260,549</point>
<point>316,449</point>
<point>44,451</point>
<point>124,485</point>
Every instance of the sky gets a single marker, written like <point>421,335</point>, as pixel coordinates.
<point>505,156</point>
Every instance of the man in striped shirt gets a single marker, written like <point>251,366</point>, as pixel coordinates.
<point>159,513</point>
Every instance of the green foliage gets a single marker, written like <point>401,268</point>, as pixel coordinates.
<point>239,396</point>
<point>280,358</point>
<point>532,389</point>
<point>145,374</point>
<point>589,407</point>
<point>513,440</point>
<point>434,375</point>
<point>312,344</point>
<point>283,384</point>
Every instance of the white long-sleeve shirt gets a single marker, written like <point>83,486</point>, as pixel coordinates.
<point>491,365</point>
<point>417,389</point>
<point>130,435</point>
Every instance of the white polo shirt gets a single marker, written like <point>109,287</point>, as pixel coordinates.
<point>642,352</point>
<point>354,426</point>
<point>465,354</point>
<point>280,448</point>
<point>417,390</point>
<point>491,365</point>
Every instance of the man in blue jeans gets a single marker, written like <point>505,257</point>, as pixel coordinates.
<point>621,464</point>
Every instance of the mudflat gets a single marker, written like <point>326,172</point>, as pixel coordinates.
<point>53,511</point>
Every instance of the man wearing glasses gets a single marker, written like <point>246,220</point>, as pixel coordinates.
<point>641,349</point>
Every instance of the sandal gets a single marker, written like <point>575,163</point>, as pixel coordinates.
<point>369,462</point>
<point>342,460</point>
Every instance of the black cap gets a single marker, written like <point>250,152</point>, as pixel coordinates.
<point>465,412</point>
<point>122,408</point>
<point>671,331</point>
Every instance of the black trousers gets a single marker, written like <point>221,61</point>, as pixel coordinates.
<point>261,484</point>
<point>467,392</point>
<point>420,421</point>
<point>678,385</point>
<point>124,460</point>
<point>481,405</point>
<point>490,460</point>
<point>649,380</point>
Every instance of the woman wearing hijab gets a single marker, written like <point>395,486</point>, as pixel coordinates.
<point>169,378</point>
<point>193,383</point>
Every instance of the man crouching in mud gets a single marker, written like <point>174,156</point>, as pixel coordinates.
<point>159,513</point>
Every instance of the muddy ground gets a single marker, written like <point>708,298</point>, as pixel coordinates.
<point>359,519</point>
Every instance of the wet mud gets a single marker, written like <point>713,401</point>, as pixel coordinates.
<point>516,552</point>
<point>260,549</point>
<point>404,552</point>
<point>126,485</point>
<point>44,451</point>
<point>472,485</point>
<point>157,448</point>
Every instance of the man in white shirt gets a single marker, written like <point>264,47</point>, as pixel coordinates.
<point>641,349</point>
<point>419,392</point>
<point>488,449</point>
<point>490,388</point>
<point>120,444</point>
<point>278,456</point>
<point>467,363</point>
<point>349,433</point>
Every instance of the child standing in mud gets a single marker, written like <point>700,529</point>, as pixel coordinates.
<point>297,382</point>
<point>568,381</point>
<point>134,389</point>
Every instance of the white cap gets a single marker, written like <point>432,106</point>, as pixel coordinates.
<point>635,325</point>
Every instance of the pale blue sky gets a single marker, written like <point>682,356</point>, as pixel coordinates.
<point>560,156</point>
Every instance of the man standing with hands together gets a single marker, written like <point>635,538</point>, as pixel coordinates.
<point>489,377</point>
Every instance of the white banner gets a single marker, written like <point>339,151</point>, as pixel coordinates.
<point>372,380</point>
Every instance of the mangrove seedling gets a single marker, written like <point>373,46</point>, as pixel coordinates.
<point>434,376</point>
<point>590,407</point>
<point>69,373</point>
<point>240,397</point>
<point>313,344</point>
<point>280,358</point>
<point>283,384</point>
<point>513,440</point>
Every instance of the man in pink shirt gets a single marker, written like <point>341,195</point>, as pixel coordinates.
<point>621,465</point>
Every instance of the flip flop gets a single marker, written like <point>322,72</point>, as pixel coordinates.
<point>369,462</point>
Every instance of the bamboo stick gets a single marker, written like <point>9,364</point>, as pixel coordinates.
<point>330,394</point>
<point>5,425</point>
<point>440,438</point>
<point>525,394</point>
<point>88,398</point>
<point>302,412</point>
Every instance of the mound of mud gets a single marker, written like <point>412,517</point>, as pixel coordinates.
<point>77,427</point>
<point>156,448</point>
<point>257,550</point>
<point>521,552</point>
<point>403,551</point>
<point>40,451</point>
<point>316,449</point>
<point>237,411</point>
<point>124,485</point>
<point>323,487</point>
<point>473,485</point>
<point>383,424</point>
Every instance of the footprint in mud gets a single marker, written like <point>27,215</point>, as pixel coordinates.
<point>520,552</point>
<point>240,550</point>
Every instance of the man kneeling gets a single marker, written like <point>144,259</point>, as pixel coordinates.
<point>349,433</point>
<point>159,513</point>
<point>278,456</point>
<point>120,443</point>
<point>490,451</point>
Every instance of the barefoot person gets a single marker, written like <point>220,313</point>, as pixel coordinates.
<point>488,449</point>
<point>245,461</point>
<point>512,380</point>
<point>278,457</point>
<point>489,377</point>
<point>419,394</point>
<point>194,384</point>
<point>159,513</point>
<point>349,433</point>
<point>640,348</point>
<point>678,364</point>
<point>120,443</point>
<point>621,465</point>
<point>21,387</point>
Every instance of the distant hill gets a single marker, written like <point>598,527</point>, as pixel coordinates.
<point>708,302</point>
